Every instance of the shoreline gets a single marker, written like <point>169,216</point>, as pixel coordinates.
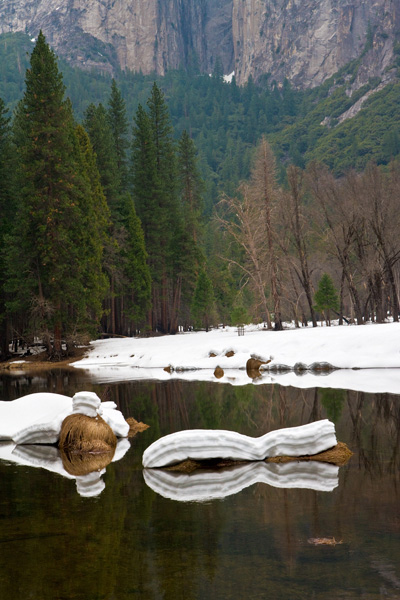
<point>36,362</point>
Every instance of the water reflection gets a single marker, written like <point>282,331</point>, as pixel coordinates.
<point>132,542</point>
<point>87,469</point>
<point>207,484</point>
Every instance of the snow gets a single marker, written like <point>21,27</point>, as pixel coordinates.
<point>367,356</point>
<point>228,78</point>
<point>37,418</point>
<point>205,444</point>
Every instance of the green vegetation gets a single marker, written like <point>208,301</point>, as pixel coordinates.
<point>225,121</point>
<point>60,210</point>
<point>326,298</point>
<point>117,188</point>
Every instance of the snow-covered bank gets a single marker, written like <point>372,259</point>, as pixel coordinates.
<point>368,357</point>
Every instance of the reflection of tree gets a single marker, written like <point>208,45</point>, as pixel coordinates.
<point>333,402</point>
<point>132,542</point>
<point>316,409</point>
<point>63,546</point>
<point>375,424</point>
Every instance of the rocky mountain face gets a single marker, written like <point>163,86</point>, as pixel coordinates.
<point>304,40</point>
<point>309,40</point>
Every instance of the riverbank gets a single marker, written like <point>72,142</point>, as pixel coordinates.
<point>40,362</point>
<point>365,358</point>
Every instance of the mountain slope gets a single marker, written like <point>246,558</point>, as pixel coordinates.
<point>305,41</point>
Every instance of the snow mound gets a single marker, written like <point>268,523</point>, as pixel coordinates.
<point>37,418</point>
<point>205,444</point>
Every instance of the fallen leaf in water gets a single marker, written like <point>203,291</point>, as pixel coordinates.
<point>324,541</point>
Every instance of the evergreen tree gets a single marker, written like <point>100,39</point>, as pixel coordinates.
<point>191,188</point>
<point>191,185</point>
<point>100,132</point>
<point>203,301</point>
<point>95,216</point>
<point>7,211</point>
<point>119,127</point>
<point>137,280</point>
<point>144,172</point>
<point>155,195</point>
<point>47,266</point>
<point>326,298</point>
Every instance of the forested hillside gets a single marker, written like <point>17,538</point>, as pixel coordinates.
<point>225,121</point>
<point>150,204</point>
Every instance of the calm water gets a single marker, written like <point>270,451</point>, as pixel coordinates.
<point>131,542</point>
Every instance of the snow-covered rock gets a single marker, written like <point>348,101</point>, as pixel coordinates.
<point>37,418</point>
<point>205,444</point>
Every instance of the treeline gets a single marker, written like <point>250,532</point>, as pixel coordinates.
<point>319,246</point>
<point>92,231</point>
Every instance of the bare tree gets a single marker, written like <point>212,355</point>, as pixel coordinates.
<point>297,230</point>
<point>339,221</point>
<point>250,218</point>
<point>265,195</point>
<point>239,216</point>
<point>381,194</point>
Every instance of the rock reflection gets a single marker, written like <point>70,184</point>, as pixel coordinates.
<point>86,468</point>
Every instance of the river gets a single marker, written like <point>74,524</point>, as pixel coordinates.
<point>259,541</point>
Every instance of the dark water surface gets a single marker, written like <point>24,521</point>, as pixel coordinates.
<point>131,542</point>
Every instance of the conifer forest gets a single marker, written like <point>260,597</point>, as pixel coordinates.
<point>144,205</point>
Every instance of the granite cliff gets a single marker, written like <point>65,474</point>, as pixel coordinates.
<point>304,40</point>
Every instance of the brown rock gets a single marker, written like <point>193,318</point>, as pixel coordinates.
<point>218,373</point>
<point>135,426</point>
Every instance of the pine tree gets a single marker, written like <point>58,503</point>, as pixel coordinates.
<point>119,127</point>
<point>203,301</point>
<point>98,125</point>
<point>326,298</point>
<point>137,279</point>
<point>144,173</point>
<point>7,211</point>
<point>47,267</point>
<point>155,195</point>
<point>191,185</point>
<point>100,132</point>
<point>95,216</point>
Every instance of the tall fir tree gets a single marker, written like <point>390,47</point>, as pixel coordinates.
<point>95,216</point>
<point>47,267</point>
<point>119,127</point>
<point>191,188</point>
<point>203,301</point>
<point>7,212</point>
<point>137,279</point>
<point>99,129</point>
<point>154,180</point>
